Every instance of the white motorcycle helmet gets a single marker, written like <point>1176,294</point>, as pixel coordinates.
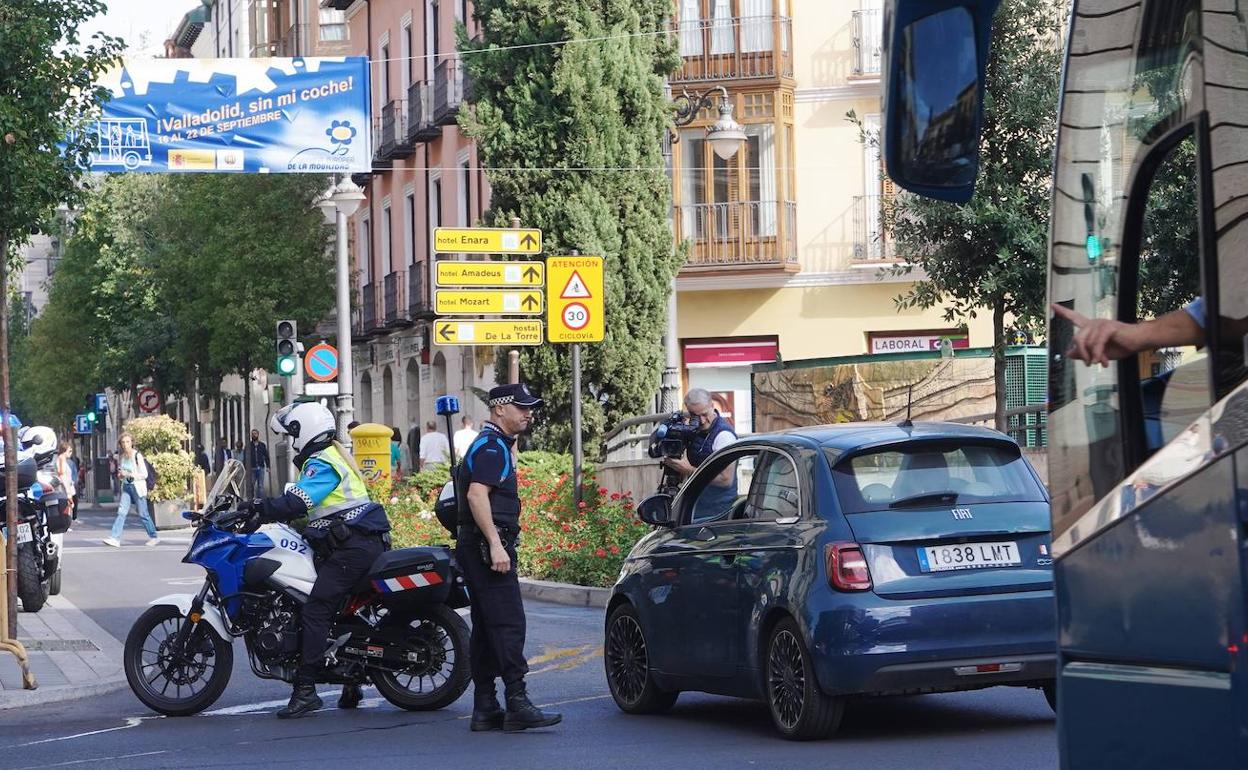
<point>38,441</point>
<point>304,422</point>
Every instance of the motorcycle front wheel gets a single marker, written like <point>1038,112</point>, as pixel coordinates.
<point>32,589</point>
<point>172,682</point>
<point>436,643</point>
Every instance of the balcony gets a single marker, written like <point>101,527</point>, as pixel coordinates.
<point>392,138</point>
<point>419,308</point>
<point>449,87</point>
<point>381,160</point>
<point>420,125</point>
<point>737,48</point>
<point>367,326</point>
<point>750,234</point>
<point>394,309</point>
<point>871,243</point>
<point>868,42</point>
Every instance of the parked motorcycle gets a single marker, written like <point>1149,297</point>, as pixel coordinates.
<point>43,516</point>
<point>399,629</point>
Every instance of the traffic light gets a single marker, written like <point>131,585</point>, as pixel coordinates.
<point>92,412</point>
<point>287,348</point>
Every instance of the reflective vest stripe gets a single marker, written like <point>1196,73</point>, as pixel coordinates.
<point>350,492</point>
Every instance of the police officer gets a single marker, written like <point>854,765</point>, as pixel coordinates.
<point>346,530</point>
<point>714,433</point>
<point>489,527</point>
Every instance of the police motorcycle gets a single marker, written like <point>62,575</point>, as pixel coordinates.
<point>43,517</point>
<point>398,629</point>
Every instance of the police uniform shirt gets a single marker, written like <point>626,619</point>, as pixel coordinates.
<point>490,462</point>
<point>316,482</point>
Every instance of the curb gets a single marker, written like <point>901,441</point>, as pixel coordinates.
<point>12,699</point>
<point>564,593</point>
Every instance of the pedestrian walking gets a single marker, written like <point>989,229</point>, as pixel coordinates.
<point>221,455</point>
<point>67,472</point>
<point>257,463</point>
<point>237,452</point>
<point>201,460</point>
<point>434,448</point>
<point>488,533</point>
<point>132,474</point>
<point>396,454</point>
<point>464,436</point>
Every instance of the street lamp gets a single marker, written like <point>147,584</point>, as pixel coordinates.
<point>725,135</point>
<point>336,204</point>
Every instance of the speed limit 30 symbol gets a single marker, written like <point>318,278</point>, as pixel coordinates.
<point>575,316</point>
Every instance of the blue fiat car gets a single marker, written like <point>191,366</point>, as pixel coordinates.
<point>856,560</point>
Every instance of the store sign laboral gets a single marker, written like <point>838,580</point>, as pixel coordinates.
<point>258,116</point>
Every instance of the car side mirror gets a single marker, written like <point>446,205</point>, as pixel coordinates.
<point>935,57</point>
<point>656,510</point>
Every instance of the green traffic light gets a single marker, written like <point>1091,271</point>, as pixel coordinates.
<point>286,365</point>
<point>90,416</point>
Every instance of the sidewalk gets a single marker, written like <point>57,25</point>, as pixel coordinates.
<point>70,655</point>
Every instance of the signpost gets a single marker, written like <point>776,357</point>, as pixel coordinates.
<point>575,312</point>
<point>487,240</point>
<point>487,332</point>
<point>321,362</point>
<point>149,400</point>
<point>478,301</point>
<point>507,274</point>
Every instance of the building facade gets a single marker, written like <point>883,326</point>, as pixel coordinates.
<point>785,248</point>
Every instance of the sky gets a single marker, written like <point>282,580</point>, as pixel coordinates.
<point>142,24</point>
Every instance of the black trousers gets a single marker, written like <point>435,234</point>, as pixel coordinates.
<point>496,647</point>
<point>336,574</point>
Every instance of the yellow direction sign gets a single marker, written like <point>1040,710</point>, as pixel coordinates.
<point>575,312</point>
<point>487,332</point>
<point>487,240</point>
<point>487,301</point>
<point>454,273</point>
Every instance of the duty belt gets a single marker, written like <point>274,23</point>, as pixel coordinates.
<point>509,535</point>
<point>340,517</point>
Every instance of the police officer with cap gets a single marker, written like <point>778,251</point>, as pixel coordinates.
<point>346,530</point>
<point>489,527</point>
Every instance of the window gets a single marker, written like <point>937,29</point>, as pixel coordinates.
<point>775,493</point>
<point>713,494</point>
<point>691,28</point>
<point>365,251</point>
<point>435,203</point>
<point>409,218</point>
<point>756,26</point>
<point>386,232</point>
<point>383,74</point>
<point>465,191</point>
<point>405,52</point>
<point>723,28</point>
<point>431,39</point>
<point>927,474</point>
<point>760,164</point>
<point>333,26</point>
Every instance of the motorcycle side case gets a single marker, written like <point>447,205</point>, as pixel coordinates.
<point>412,576</point>
<point>58,515</point>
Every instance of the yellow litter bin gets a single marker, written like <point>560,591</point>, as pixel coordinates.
<point>372,451</point>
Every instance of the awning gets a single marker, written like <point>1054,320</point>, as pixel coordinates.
<point>708,354</point>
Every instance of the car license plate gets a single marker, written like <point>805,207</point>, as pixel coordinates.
<point>24,534</point>
<point>941,558</point>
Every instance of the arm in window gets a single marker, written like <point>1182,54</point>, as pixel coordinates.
<point>1101,340</point>
<point>728,475</point>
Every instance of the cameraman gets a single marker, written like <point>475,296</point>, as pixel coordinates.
<point>714,433</point>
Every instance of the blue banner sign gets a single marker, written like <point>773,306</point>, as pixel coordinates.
<point>258,116</point>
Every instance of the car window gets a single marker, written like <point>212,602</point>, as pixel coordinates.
<point>774,493</point>
<point>933,473</point>
<point>713,491</point>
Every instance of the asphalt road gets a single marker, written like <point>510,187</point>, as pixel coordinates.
<point>992,728</point>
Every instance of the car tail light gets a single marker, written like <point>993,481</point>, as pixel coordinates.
<point>847,567</point>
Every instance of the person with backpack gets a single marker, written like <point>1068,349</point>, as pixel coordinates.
<point>135,475</point>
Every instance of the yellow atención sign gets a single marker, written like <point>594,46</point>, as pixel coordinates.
<point>453,273</point>
<point>575,312</point>
<point>487,332</point>
<point>487,301</point>
<point>487,240</point>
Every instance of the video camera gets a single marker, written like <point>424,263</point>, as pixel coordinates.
<point>671,438</point>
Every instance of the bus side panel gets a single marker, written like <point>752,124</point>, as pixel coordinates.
<point>1160,595</point>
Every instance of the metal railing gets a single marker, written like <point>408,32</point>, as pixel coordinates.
<point>420,125</point>
<point>740,47</point>
<point>738,233</point>
<point>868,41</point>
<point>368,309</point>
<point>394,310</point>
<point>871,242</point>
<point>418,304</point>
<point>392,136</point>
<point>449,87</point>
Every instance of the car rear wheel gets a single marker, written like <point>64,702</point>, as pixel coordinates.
<point>627,662</point>
<point>799,709</point>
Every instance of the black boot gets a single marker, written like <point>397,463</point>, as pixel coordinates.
<point>351,696</point>
<point>486,713</point>
<point>303,700</point>
<point>522,714</point>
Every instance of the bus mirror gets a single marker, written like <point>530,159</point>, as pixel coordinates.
<point>934,73</point>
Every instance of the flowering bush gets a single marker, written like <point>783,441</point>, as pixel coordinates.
<point>160,439</point>
<point>584,545</point>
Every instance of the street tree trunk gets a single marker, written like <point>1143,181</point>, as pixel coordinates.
<point>998,362</point>
<point>10,441</point>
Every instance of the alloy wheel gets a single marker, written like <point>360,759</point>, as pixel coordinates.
<point>786,678</point>
<point>627,660</point>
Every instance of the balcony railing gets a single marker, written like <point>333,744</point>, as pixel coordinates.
<point>870,240</point>
<point>750,233</point>
<point>736,48</point>
<point>368,311</point>
<point>868,41</point>
<point>418,305</point>
<point>420,125</point>
<point>392,140</point>
<point>449,87</point>
<point>395,309</point>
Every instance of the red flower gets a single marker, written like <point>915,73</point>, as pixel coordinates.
<point>582,505</point>
<point>600,553</point>
<point>615,549</point>
<point>615,495</point>
<point>603,490</point>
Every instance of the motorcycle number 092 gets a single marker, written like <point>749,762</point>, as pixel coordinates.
<point>293,545</point>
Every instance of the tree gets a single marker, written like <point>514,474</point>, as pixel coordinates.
<point>573,133</point>
<point>47,97</point>
<point>992,252</point>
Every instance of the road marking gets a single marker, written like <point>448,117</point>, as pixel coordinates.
<point>95,759</point>
<point>130,722</point>
<point>559,652</point>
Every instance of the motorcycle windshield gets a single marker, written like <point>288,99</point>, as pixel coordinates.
<point>229,481</point>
